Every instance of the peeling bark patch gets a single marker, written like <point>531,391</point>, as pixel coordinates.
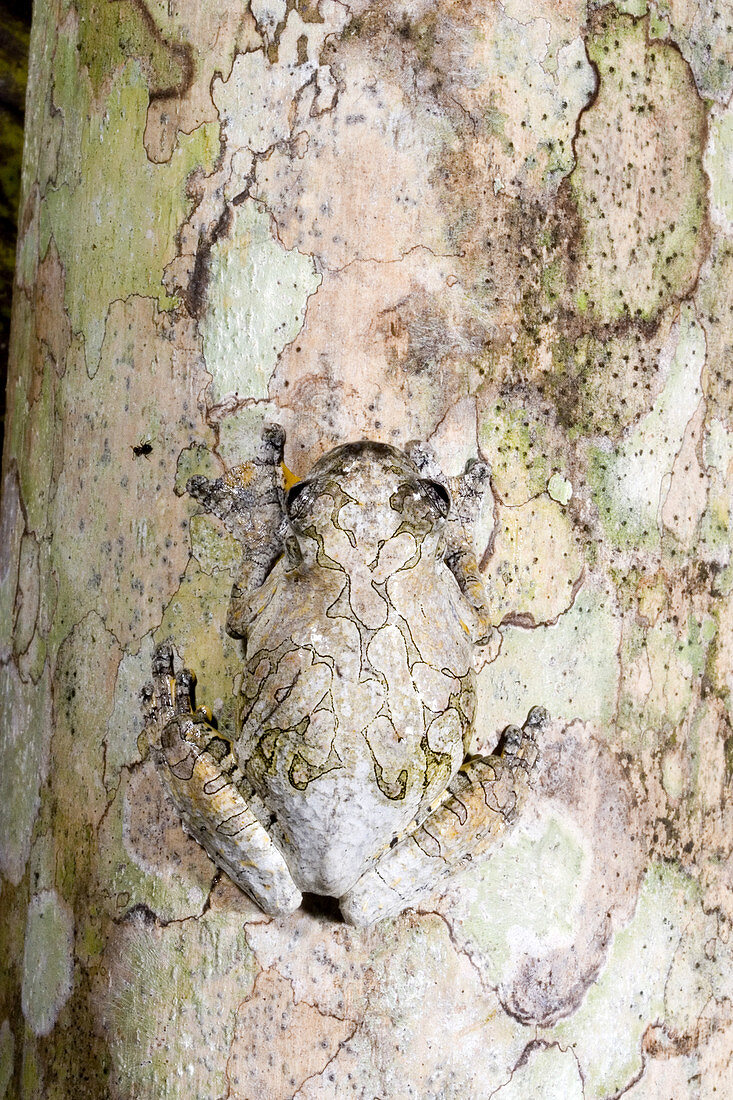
<point>629,993</point>
<point>639,183</point>
<point>633,479</point>
<point>48,961</point>
<point>538,917</point>
<point>719,167</point>
<point>257,295</point>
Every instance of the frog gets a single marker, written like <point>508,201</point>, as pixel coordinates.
<point>362,613</point>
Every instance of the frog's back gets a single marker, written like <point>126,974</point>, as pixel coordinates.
<point>357,707</point>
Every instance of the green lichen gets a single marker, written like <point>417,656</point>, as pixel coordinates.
<point>115,224</point>
<point>7,1054</point>
<point>520,447</point>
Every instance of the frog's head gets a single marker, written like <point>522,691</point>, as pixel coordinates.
<point>369,493</point>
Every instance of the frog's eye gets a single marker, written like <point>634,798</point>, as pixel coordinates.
<point>292,494</point>
<point>438,496</point>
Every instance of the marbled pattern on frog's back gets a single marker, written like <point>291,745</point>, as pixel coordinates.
<point>358,696</point>
<point>360,605</point>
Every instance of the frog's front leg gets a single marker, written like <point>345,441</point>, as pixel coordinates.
<point>216,802</point>
<point>481,801</point>
<point>249,502</point>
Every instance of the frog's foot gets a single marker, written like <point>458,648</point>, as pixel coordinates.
<point>216,803</point>
<point>481,801</point>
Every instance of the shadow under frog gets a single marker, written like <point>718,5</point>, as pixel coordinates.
<point>360,605</point>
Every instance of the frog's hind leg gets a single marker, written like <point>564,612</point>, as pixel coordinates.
<point>216,803</point>
<point>480,803</point>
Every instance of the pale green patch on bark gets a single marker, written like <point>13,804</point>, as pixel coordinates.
<point>156,864</point>
<point>719,167</point>
<point>257,296</point>
<point>536,563</point>
<point>550,1074</point>
<point>125,721</point>
<point>531,58</point>
<point>607,1029</point>
<point>25,732</point>
<point>521,449</point>
<point>529,895</point>
<point>212,546</point>
<point>704,34</point>
<point>631,7</point>
<point>718,446</point>
<point>701,972</point>
<point>122,210</point>
<point>195,618</point>
<point>629,482</point>
<point>198,459</point>
<point>571,666</point>
<point>48,961</point>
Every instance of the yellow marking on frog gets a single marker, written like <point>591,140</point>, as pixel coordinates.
<point>239,475</point>
<point>289,477</point>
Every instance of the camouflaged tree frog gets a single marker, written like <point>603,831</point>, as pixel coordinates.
<point>360,605</point>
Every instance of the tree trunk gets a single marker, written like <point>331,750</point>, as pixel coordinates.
<point>505,229</point>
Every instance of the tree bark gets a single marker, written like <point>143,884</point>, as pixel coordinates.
<point>505,229</point>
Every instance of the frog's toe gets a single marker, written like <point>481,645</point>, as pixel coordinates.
<point>518,746</point>
<point>184,691</point>
<point>147,703</point>
<point>273,441</point>
<point>536,721</point>
<point>163,680</point>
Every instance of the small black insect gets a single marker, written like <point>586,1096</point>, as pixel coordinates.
<point>145,448</point>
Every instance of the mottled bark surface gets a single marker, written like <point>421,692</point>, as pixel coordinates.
<point>507,229</point>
